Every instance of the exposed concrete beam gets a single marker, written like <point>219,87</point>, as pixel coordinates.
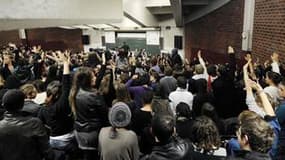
<point>195,2</point>
<point>114,26</point>
<point>138,11</point>
<point>134,19</point>
<point>161,10</point>
<point>177,12</point>
<point>157,3</point>
<point>213,5</point>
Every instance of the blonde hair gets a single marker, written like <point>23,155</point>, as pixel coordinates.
<point>29,90</point>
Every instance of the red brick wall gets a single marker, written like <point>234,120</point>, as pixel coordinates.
<point>269,28</point>
<point>9,36</point>
<point>215,31</point>
<point>55,38</point>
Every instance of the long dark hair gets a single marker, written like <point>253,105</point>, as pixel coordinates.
<point>82,79</point>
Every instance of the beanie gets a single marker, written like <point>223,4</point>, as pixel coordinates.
<point>120,115</point>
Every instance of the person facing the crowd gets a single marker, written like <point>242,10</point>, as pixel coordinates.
<point>22,136</point>
<point>116,142</point>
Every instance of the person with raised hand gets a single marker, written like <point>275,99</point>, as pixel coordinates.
<point>200,69</point>
<point>57,115</point>
<point>89,108</point>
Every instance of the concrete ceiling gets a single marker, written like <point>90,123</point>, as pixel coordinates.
<point>184,11</point>
<point>17,14</point>
<point>99,14</point>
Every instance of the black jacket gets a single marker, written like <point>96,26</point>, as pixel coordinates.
<point>247,155</point>
<point>91,111</point>
<point>177,149</point>
<point>31,107</point>
<point>23,137</point>
<point>58,116</point>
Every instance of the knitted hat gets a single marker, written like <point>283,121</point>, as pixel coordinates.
<point>120,115</point>
<point>13,100</point>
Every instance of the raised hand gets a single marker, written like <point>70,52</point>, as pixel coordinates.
<point>199,54</point>
<point>231,50</point>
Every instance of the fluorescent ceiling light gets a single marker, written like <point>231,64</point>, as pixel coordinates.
<point>82,27</point>
<point>100,26</point>
<point>66,27</point>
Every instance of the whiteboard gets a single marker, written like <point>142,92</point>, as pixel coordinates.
<point>110,37</point>
<point>152,37</point>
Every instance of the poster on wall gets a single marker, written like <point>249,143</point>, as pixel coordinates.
<point>110,37</point>
<point>152,37</point>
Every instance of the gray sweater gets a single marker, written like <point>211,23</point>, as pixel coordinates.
<point>123,147</point>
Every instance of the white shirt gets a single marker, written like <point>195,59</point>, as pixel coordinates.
<point>40,98</point>
<point>273,92</point>
<point>275,67</point>
<point>180,95</point>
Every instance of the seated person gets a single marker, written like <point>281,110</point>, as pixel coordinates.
<point>116,142</point>
<point>167,147</point>
<point>22,137</point>
<point>184,120</point>
<point>206,140</point>
<point>30,106</point>
<point>255,138</point>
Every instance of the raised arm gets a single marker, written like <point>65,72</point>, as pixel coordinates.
<point>232,62</point>
<point>64,58</point>
<point>250,100</point>
<point>101,72</point>
<point>264,99</point>
<point>201,61</point>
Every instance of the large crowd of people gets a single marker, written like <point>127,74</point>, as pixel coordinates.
<point>121,105</point>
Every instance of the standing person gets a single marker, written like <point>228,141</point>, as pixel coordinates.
<point>89,109</point>
<point>175,57</point>
<point>167,145</point>
<point>116,142</point>
<point>206,140</point>
<point>224,88</point>
<point>168,83</point>
<point>126,48</point>
<point>57,113</point>
<point>255,138</point>
<point>272,79</point>
<point>22,137</point>
<point>181,94</point>
<point>280,113</point>
<point>8,67</point>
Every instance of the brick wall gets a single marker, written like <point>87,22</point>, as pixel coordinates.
<point>215,31</point>
<point>269,28</point>
<point>55,38</point>
<point>9,36</point>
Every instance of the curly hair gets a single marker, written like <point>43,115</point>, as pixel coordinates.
<point>260,134</point>
<point>205,134</point>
